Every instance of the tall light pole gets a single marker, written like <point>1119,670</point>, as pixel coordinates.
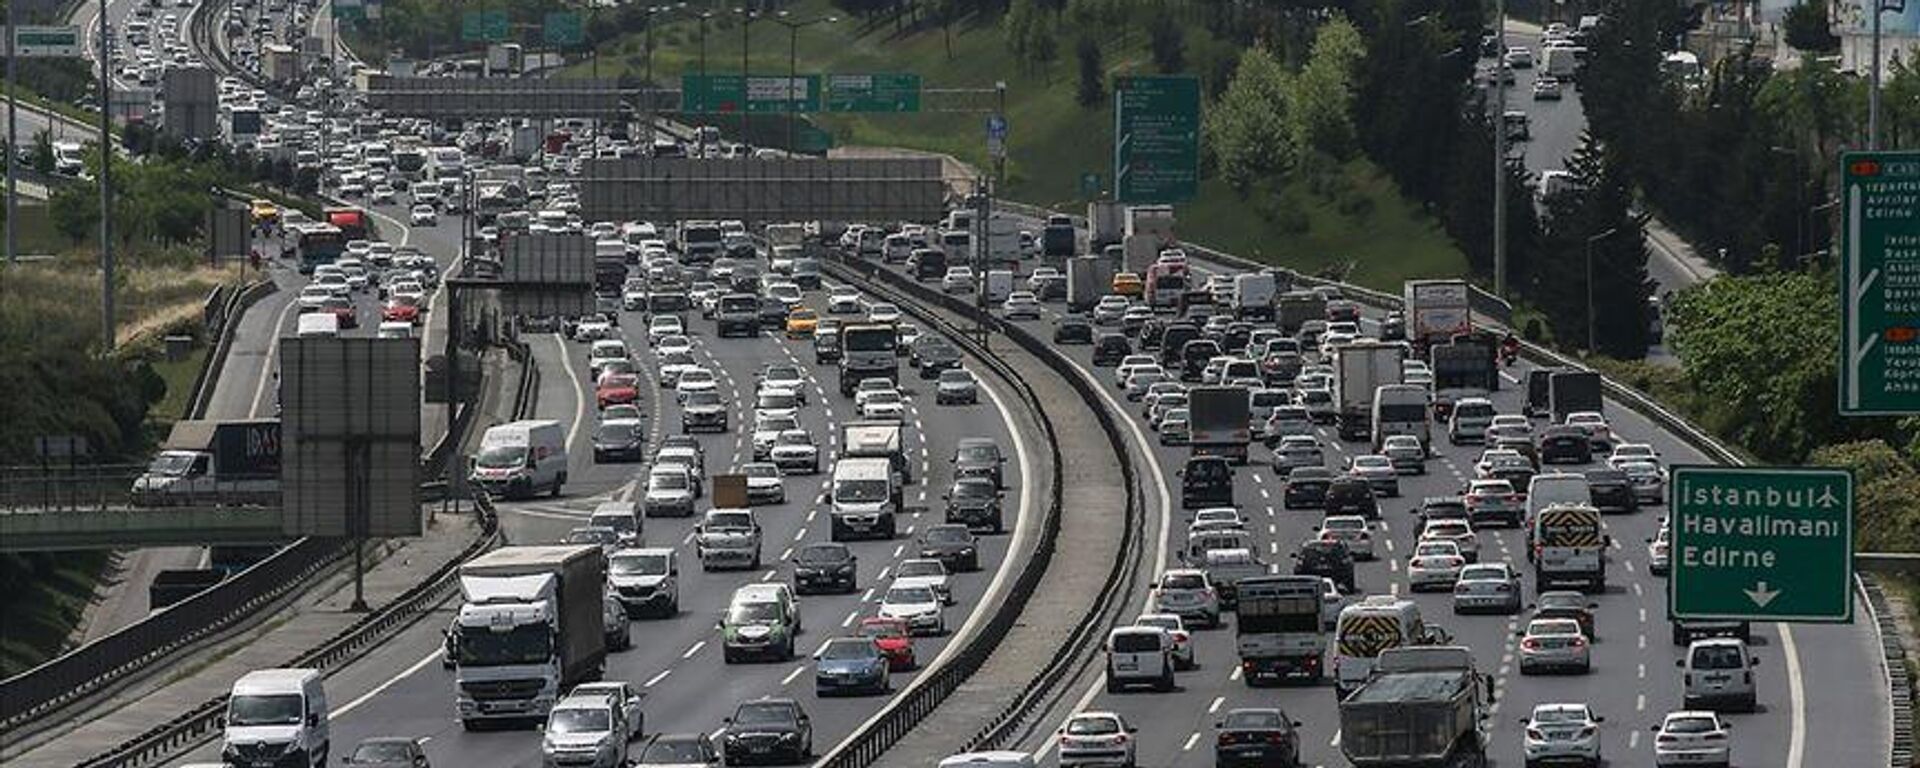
<point>746,91</point>
<point>793,64</point>
<point>1590,241</point>
<point>1499,87</point>
<point>701,140</point>
<point>13,142</point>
<point>646,92</point>
<point>1873,86</point>
<point>106,177</point>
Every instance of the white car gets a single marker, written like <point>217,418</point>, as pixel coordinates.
<point>1132,363</point>
<point>1021,305</point>
<point>959,279</point>
<point>1595,425</point>
<point>774,401</point>
<point>1351,530</point>
<point>794,451</point>
<point>888,406</point>
<point>1110,310</point>
<point>1187,593</point>
<point>673,343</point>
<point>1405,453</point>
<point>1298,451</point>
<point>313,297</point>
<point>1457,531</point>
<point>695,379</point>
<point>594,328</point>
<point>662,326</point>
<point>1142,378</point>
<point>784,376</point>
<point>1175,628</point>
<point>1434,565</point>
<point>1626,452</point>
<point>1378,471</point>
<point>926,572</point>
<point>1692,737</point>
<point>1562,733</point>
<point>918,605</point>
<point>870,387</point>
<point>765,485</point>
<point>1097,738</point>
<point>883,312</point>
<point>843,301</point>
<point>423,216</point>
<point>382,195</point>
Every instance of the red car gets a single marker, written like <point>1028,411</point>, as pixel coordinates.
<point>894,641</point>
<point>618,389</point>
<point>398,311</point>
<point>344,310</point>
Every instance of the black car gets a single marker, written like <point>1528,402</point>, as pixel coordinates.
<point>1194,356</point>
<point>1440,508</point>
<point>768,732</point>
<point>1206,481</point>
<point>1348,495</point>
<point>1329,558</point>
<point>1307,488</point>
<point>953,545</point>
<point>935,356</point>
<point>1565,445</point>
<point>1567,604</point>
<point>1612,491</point>
<point>1173,339</point>
<point>1109,349</point>
<point>825,567</point>
<point>1256,737</point>
<point>1150,333</point>
<point>980,457</point>
<point>975,503</point>
<point>1234,341</point>
<point>773,312</point>
<point>1072,330</point>
<point>619,441</point>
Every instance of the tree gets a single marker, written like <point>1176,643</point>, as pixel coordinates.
<point>1046,48</point>
<point>1093,74</point>
<point>1785,324</point>
<point>42,160</point>
<point>1019,26</point>
<point>1320,115</point>
<point>1887,493</point>
<point>1168,42</point>
<point>1246,129</point>
<point>1808,30</point>
<point>1593,266</point>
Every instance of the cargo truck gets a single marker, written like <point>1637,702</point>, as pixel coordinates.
<point>1573,392</point>
<point>1436,311</point>
<point>1221,419</point>
<point>1058,241</point>
<point>1295,308</point>
<point>1003,243</point>
<point>531,627</point>
<point>1254,295</point>
<point>1088,279</point>
<point>1423,708</point>
<point>1106,223</point>
<point>1149,231</point>
<point>878,440</point>
<point>1278,629</point>
<point>867,351</point>
<point>1468,366</point>
<point>214,462</point>
<point>1358,370</point>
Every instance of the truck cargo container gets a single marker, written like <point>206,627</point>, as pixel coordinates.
<point>1358,371</point>
<point>1221,422</point>
<point>214,462</point>
<point>1423,708</point>
<point>1573,392</point>
<point>531,627</point>
<point>1436,311</point>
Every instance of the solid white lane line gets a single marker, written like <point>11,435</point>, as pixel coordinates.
<point>388,683</point>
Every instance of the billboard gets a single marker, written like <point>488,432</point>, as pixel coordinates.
<point>350,420</point>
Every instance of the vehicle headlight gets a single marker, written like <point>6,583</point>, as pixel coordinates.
<point>547,748</point>
<point>789,737</point>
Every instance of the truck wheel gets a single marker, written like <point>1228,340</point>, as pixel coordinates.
<point>557,482</point>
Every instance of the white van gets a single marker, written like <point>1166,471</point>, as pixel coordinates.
<point>276,717</point>
<point>865,498</point>
<point>1469,420</point>
<point>1552,488</point>
<point>520,458</point>
<point>1401,409</point>
<point>999,286</point>
<point>1366,628</point>
<point>1718,674</point>
<point>999,759</point>
<point>313,325</point>
<point>1139,656</point>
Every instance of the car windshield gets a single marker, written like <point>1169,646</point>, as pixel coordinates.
<point>911,594</point>
<point>502,456</point>
<point>858,491</point>
<point>1689,725</point>
<point>753,613</point>
<point>955,377</point>
<point>668,481</point>
<point>763,714</point>
<point>973,489</point>
<point>777,401</point>
<point>761,471</point>
<point>729,520</point>
<point>1486,572</point>
<point>1718,657</point>
<point>638,565</point>
<point>1244,719</point>
<point>848,650</point>
<point>1092,726</point>
<point>264,710</point>
<point>580,721</point>
<point>945,535</point>
<point>979,453</point>
<point>703,400</point>
<point>382,752</point>
<point>776,423</point>
<point>793,437</point>
<point>913,568</point>
<point>592,536</point>
<point>1345,524</point>
<point>882,629</point>
<point>663,752</point>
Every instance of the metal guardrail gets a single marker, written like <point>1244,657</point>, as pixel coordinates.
<point>865,747</point>
<point>1904,743</point>
<point>201,723</point>
<point>1893,654</point>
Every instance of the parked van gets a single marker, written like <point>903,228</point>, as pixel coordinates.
<point>1718,674</point>
<point>318,325</point>
<point>276,717</point>
<point>1139,656</point>
<point>520,458</point>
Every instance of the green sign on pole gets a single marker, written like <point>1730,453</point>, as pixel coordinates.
<point>1089,185</point>
<point>1761,544</point>
<point>483,26</point>
<point>1156,139</point>
<point>563,29</point>
<point>880,92</point>
<point>1879,283</point>
<point>349,10</point>
<point>705,94</point>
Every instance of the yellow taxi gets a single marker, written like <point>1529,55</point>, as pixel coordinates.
<point>264,211</point>
<point>1128,284</point>
<point>801,322</point>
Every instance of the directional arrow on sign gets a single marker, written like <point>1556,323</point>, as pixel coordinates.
<point>1760,595</point>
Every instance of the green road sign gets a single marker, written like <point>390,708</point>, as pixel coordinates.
<point>702,94</point>
<point>1156,139</point>
<point>563,29</point>
<point>1879,283</point>
<point>349,11</point>
<point>46,42</point>
<point>483,26</point>
<point>1089,184</point>
<point>881,92</point>
<point>1761,544</point>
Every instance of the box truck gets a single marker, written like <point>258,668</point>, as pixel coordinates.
<point>214,462</point>
<point>531,627</point>
<point>1358,371</point>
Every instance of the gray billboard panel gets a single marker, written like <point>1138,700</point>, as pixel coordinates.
<point>477,98</point>
<point>192,95</point>
<point>761,190</point>
<point>549,259</point>
<point>228,233</point>
<point>545,302</point>
<point>350,423</point>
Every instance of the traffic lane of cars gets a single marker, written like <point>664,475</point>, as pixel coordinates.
<point>1491,637</point>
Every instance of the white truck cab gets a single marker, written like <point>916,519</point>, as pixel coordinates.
<point>276,717</point>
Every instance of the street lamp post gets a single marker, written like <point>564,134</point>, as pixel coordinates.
<point>646,92</point>
<point>747,17</point>
<point>793,64</point>
<point>1590,241</point>
<point>701,129</point>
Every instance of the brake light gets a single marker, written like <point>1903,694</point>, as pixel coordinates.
<point>1179,637</point>
<point>1513,497</point>
<point>1578,642</point>
<point>1276,738</point>
<point>1536,734</point>
<point>1715,736</point>
<point>1226,738</point>
<point>1665,739</point>
<point>1529,643</point>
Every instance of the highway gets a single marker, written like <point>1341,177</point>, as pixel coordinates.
<point>1819,686</point>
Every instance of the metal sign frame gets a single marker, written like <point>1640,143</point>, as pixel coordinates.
<point>1879,283</point>
<point>1755,534</point>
